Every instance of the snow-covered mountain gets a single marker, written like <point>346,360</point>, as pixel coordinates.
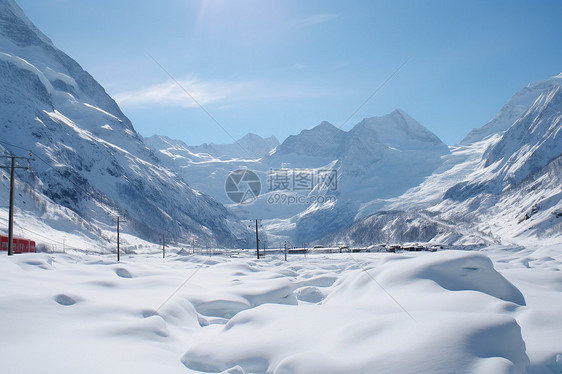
<point>396,181</point>
<point>251,146</point>
<point>207,167</point>
<point>533,141</point>
<point>380,157</point>
<point>519,175</point>
<point>88,157</point>
<point>502,186</point>
<point>359,149</point>
<point>321,141</point>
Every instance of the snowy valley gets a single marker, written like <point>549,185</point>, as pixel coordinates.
<point>188,295</point>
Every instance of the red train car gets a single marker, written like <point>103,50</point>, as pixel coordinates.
<point>19,245</point>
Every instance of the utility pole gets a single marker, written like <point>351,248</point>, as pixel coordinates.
<point>285,250</point>
<point>118,221</point>
<point>12,168</point>
<point>163,246</point>
<point>257,241</point>
<point>11,214</point>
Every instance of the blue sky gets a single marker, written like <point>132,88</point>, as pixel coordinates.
<point>278,67</point>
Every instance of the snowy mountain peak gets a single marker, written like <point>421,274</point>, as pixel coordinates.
<point>17,27</point>
<point>532,142</point>
<point>367,139</point>
<point>250,137</point>
<point>164,142</point>
<point>526,148</point>
<point>324,126</point>
<point>255,146</point>
<point>516,107</point>
<point>547,99</point>
<point>320,141</point>
<point>250,146</point>
<point>397,129</point>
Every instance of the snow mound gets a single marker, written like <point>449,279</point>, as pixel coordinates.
<point>288,339</point>
<point>309,294</point>
<point>378,317</point>
<point>453,271</point>
<point>442,312</point>
<point>228,289</point>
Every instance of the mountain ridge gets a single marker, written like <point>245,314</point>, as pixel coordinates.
<point>358,158</point>
<point>518,104</point>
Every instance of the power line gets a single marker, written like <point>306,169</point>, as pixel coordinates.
<point>42,236</point>
<point>380,87</point>
<point>13,145</point>
<point>199,104</point>
<point>35,233</point>
<point>382,288</point>
<point>55,169</point>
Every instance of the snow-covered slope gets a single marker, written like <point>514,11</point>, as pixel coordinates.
<point>207,172</point>
<point>88,156</point>
<point>531,142</point>
<point>519,175</point>
<point>534,140</point>
<point>505,187</point>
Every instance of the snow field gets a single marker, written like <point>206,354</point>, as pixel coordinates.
<point>493,311</point>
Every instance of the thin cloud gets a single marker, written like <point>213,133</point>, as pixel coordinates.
<point>169,93</point>
<point>315,19</point>
<point>224,93</point>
